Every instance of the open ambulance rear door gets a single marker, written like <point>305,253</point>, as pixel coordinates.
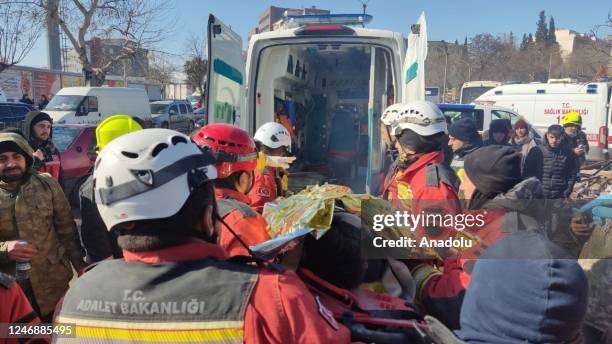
<point>225,87</point>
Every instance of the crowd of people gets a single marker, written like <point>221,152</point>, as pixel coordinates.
<point>168,222</point>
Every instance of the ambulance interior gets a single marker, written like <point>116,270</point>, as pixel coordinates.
<point>323,93</point>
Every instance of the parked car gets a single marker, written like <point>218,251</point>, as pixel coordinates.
<point>13,114</point>
<point>77,146</point>
<point>201,118</point>
<point>483,115</point>
<point>173,114</point>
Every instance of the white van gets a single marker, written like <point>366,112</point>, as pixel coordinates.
<point>331,79</point>
<point>546,104</point>
<point>91,105</point>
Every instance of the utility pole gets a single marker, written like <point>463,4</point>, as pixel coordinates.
<point>445,69</point>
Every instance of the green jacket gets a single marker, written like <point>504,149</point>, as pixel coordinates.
<point>37,210</point>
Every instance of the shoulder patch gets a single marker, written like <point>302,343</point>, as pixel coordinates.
<point>264,192</point>
<point>436,173</point>
<point>6,280</point>
<point>226,206</point>
<point>326,314</point>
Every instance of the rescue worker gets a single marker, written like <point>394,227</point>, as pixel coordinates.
<point>523,140</point>
<point>463,139</point>
<point>16,309</point>
<point>524,289</point>
<point>175,283</point>
<point>98,242</point>
<point>38,130</point>
<point>236,162</point>
<point>420,129</point>
<point>499,132</point>
<point>572,125</point>
<point>495,192</point>
<point>34,209</point>
<point>271,181</point>
<point>391,152</point>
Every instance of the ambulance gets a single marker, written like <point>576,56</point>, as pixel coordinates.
<point>544,104</point>
<point>325,77</point>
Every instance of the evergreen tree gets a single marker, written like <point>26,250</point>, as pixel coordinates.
<point>512,39</point>
<point>541,34</point>
<point>465,48</point>
<point>552,37</point>
<point>524,42</point>
<point>529,40</point>
<point>456,42</point>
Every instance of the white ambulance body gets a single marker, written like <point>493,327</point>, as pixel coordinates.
<point>546,104</point>
<point>313,71</point>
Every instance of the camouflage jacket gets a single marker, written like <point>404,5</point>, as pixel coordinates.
<point>37,210</point>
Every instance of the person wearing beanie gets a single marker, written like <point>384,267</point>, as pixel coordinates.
<point>34,209</point>
<point>494,192</point>
<point>38,130</point>
<point>499,132</point>
<point>524,289</point>
<point>463,139</point>
<point>522,139</point>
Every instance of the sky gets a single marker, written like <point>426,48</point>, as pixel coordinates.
<point>448,20</point>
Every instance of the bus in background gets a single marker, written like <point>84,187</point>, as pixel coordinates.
<point>473,89</point>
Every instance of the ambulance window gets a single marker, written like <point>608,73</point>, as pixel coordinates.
<point>92,104</point>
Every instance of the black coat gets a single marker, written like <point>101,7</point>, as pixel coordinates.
<point>97,241</point>
<point>556,168</point>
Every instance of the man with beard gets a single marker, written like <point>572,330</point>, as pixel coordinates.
<point>37,128</point>
<point>35,224</point>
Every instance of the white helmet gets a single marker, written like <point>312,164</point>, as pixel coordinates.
<point>273,135</point>
<point>422,117</point>
<point>390,114</point>
<point>148,174</point>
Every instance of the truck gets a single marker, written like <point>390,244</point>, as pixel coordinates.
<point>544,104</point>
<point>91,105</point>
<point>328,76</point>
<point>473,89</point>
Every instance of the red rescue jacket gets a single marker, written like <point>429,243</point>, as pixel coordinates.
<point>234,209</point>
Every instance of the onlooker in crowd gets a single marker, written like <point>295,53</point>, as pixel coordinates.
<point>554,163</point>
<point>98,242</point>
<point>26,99</point>
<point>499,132</point>
<point>572,125</point>
<point>523,140</point>
<point>463,139</point>
<point>524,289</point>
<point>43,102</point>
<point>36,224</point>
<point>38,130</point>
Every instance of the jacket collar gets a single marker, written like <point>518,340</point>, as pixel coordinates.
<point>221,193</point>
<point>194,250</point>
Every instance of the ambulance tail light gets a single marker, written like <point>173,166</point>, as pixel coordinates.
<point>603,137</point>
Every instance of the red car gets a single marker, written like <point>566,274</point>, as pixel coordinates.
<point>76,144</point>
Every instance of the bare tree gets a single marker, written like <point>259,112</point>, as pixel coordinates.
<point>20,27</point>
<point>134,26</point>
<point>161,70</point>
<point>196,68</point>
<point>602,44</point>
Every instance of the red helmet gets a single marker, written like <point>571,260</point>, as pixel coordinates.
<point>234,147</point>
